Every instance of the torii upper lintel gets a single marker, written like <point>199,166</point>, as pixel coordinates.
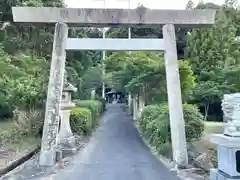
<point>115,17</point>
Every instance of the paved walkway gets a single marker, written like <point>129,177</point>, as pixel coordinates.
<point>116,152</point>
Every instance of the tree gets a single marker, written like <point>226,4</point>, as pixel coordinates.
<point>190,5</point>
<point>150,33</point>
<point>231,3</point>
<point>212,54</point>
<point>144,72</point>
<point>25,55</point>
<point>92,79</point>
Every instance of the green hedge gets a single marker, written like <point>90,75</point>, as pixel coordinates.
<point>95,106</point>
<point>103,101</point>
<point>83,118</point>
<point>154,124</point>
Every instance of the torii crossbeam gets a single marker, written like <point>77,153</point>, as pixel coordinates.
<point>115,17</point>
<point>140,17</point>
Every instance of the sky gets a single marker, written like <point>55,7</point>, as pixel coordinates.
<point>152,4</point>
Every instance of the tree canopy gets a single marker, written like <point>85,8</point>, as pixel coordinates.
<point>145,71</point>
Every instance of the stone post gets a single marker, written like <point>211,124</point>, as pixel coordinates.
<point>138,107</point>
<point>175,106</point>
<point>93,94</point>
<point>65,138</point>
<point>141,101</point>
<point>55,86</point>
<point>134,108</point>
<point>129,103</point>
<point>141,104</point>
<point>228,144</point>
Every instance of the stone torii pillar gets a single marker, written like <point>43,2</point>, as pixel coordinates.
<point>140,17</point>
<point>54,95</point>
<point>177,124</point>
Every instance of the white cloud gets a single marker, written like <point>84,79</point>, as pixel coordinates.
<point>152,4</point>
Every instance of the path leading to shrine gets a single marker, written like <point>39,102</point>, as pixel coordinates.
<point>116,152</point>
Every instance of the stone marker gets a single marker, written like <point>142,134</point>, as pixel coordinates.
<point>129,103</point>
<point>175,106</point>
<point>93,94</point>
<point>134,101</point>
<point>55,86</point>
<point>228,144</point>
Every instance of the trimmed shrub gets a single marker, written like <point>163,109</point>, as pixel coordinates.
<point>81,121</point>
<point>154,124</point>
<point>94,105</point>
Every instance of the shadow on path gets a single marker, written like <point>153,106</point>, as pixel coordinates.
<point>116,152</point>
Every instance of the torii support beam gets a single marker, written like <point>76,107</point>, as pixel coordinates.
<point>115,17</point>
<point>140,17</point>
<point>115,44</point>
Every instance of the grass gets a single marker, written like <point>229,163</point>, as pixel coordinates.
<point>214,128</point>
<point>25,144</point>
<point>9,151</point>
<point>205,145</point>
<point>6,124</point>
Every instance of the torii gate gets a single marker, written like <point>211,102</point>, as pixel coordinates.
<point>140,17</point>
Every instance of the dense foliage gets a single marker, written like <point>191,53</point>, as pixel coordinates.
<point>25,54</point>
<point>215,56</point>
<point>141,70</point>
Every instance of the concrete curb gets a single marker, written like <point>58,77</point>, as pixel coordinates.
<point>14,164</point>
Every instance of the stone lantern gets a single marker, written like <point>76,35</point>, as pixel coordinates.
<point>66,140</point>
<point>228,144</point>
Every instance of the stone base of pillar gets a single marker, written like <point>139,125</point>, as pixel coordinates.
<point>215,174</point>
<point>48,158</point>
<point>130,111</point>
<point>67,146</point>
